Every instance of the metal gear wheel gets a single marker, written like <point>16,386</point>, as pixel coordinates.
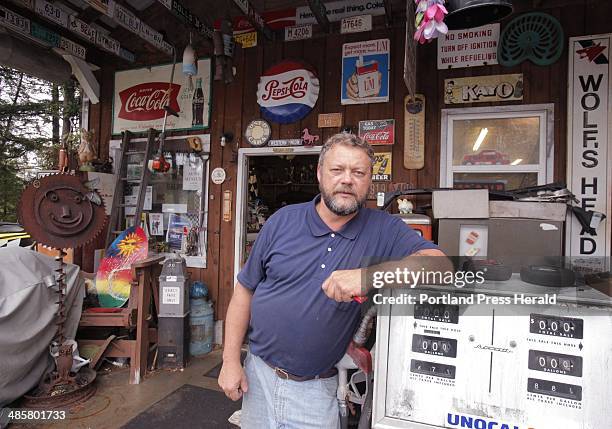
<point>60,211</point>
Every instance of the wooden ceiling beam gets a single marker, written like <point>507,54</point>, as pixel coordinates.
<point>320,12</point>
<point>255,18</point>
<point>388,13</point>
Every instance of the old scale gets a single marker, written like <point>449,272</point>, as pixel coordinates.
<point>494,365</point>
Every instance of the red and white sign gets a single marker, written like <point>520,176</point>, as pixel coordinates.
<point>276,20</point>
<point>141,94</point>
<point>378,132</point>
<point>287,92</point>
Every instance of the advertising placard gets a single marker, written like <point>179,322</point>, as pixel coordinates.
<point>141,94</point>
<point>378,132</point>
<point>468,48</point>
<point>483,89</point>
<point>365,72</point>
<point>381,170</point>
<point>589,156</point>
<point>336,10</point>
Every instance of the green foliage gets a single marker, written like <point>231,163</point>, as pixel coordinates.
<point>27,111</point>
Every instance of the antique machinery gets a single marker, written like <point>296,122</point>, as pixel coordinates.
<point>60,211</point>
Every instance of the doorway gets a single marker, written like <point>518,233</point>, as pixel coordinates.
<point>268,179</point>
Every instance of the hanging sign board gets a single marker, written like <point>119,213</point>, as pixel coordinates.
<point>365,72</point>
<point>336,10</point>
<point>589,157</point>
<point>298,32</point>
<point>484,89</point>
<point>329,120</point>
<point>14,21</point>
<point>356,24</point>
<point>381,170</point>
<point>468,48</point>
<point>51,12</point>
<point>141,94</point>
<point>378,132</point>
<point>247,40</point>
<point>414,132</point>
<point>73,48</point>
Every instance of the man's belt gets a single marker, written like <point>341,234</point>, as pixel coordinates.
<point>281,373</point>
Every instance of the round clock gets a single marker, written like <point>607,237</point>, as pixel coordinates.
<point>258,132</point>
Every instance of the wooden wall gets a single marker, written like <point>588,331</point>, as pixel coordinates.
<point>234,105</point>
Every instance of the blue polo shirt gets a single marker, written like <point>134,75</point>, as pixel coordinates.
<point>294,325</point>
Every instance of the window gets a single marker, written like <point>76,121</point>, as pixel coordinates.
<point>500,148</point>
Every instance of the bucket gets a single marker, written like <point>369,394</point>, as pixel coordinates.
<point>202,324</point>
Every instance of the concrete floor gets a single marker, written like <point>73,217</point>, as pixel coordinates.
<point>116,402</point>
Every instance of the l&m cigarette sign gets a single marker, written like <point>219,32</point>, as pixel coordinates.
<point>589,172</point>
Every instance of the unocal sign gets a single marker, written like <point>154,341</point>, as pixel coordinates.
<point>287,92</point>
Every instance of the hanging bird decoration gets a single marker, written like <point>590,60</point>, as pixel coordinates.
<point>429,20</point>
<point>190,63</point>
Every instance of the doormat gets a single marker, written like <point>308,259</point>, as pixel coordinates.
<point>214,373</point>
<point>188,407</point>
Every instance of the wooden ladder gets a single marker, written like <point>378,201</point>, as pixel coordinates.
<point>115,225</point>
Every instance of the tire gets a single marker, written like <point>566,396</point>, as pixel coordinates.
<point>546,275</point>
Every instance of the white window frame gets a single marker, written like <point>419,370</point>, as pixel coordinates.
<point>545,166</point>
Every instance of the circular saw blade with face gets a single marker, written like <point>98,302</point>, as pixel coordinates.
<point>60,211</point>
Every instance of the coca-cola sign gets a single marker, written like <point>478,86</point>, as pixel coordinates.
<point>140,96</point>
<point>378,132</point>
<point>287,92</point>
<point>146,101</point>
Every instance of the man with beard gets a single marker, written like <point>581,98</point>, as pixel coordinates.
<point>295,293</point>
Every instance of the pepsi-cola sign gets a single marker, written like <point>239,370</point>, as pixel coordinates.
<point>287,92</point>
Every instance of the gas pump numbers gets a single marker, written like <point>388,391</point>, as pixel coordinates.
<point>556,326</point>
<point>437,313</point>
<point>555,363</point>
<point>432,368</point>
<point>437,346</point>
<point>553,388</point>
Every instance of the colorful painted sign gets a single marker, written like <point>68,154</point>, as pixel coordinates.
<point>589,156</point>
<point>336,10</point>
<point>287,92</point>
<point>141,94</point>
<point>378,132</point>
<point>356,24</point>
<point>365,72</point>
<point>114,275</point>
<point>483,89</point>
<point>468,48</point>
<point>381,170</point>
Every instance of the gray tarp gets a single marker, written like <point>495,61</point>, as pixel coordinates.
<point>27,317</point>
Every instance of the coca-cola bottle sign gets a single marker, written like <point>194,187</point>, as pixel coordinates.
<point>146,101</point>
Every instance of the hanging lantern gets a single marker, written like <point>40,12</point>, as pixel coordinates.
<point>474,13</point>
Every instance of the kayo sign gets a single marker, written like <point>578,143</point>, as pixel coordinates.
<point>589,172</point>
<point>140,96</point>
<point>287,92</point>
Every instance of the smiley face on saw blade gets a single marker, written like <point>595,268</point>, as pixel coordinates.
<point>59,211</point>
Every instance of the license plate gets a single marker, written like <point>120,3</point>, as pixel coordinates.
<point>73,48</point>
<point>14,21</point>
<point>49,11</point>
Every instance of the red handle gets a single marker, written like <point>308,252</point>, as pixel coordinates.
<point>360,299</point>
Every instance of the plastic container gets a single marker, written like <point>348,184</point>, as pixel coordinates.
<point>202,323</point>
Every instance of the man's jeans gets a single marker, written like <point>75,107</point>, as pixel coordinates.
<point>275,403</point>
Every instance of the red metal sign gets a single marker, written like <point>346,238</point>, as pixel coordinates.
<point>146,101</point>
<point>378,132</point>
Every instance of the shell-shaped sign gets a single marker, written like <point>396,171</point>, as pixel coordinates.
<point>287,92</point>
